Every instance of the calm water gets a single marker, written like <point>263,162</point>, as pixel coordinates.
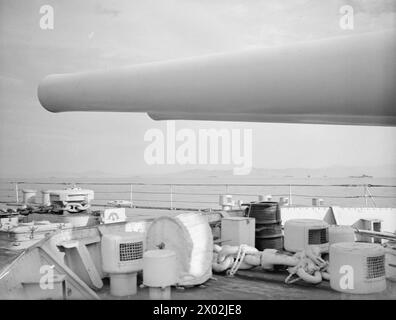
<point>205,196</point>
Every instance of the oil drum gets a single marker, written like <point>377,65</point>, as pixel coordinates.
<point>268,224</point>
<point>271,242</point>
<point>268,230</point>
<point>265,212</point>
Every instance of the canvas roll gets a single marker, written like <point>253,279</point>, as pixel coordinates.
<point>190,237</point>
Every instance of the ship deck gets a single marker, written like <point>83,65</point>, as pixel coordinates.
<point>256,285</point>
<point>253,284</point>
<point>246,284</point>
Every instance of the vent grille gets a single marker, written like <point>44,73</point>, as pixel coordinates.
<point>318,236</point>
<point>375,267</point>
<point>131,251</point>
<point>377,226</point>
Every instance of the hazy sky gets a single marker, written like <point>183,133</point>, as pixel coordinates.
<point>104,34</point>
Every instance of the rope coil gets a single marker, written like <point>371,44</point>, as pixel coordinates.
<point>306,265</point>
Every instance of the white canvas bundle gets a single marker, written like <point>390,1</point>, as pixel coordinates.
<point>190,237</point>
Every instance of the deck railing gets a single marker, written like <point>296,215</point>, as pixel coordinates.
<point>197,195</point>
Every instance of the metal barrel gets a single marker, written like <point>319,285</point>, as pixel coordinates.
<point>266,212</point>
<point>268,224</point>
<point>268,230</point>
<point>275,242</point>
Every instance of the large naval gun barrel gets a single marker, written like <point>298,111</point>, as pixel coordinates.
<point>342,80</point>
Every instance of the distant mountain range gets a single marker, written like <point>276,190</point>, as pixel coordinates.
<point>335,172</point>
<point>330,172</point>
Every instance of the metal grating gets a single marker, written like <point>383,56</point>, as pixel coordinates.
<point>375,267</point>
<point>131,251</point>
<point>318,236</point>
<point>377,226</point>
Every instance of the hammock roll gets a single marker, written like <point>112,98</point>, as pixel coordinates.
<point>190,237</point>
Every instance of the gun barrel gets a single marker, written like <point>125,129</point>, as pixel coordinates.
<point>342,80</point>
